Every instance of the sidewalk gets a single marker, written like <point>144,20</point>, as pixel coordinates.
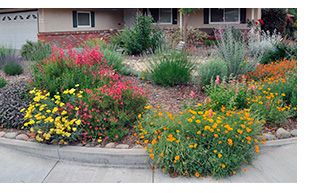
<point>274,164</point>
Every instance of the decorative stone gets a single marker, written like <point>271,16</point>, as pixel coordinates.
<point>180,45</point>
<point>110,145</point>
<point>269,136</point>
<point>10,135</point>
<point>282,133</point>
<point>122,146</point>
<point>22,137</point>
<point>294,132</point>
<point>2,133</point>
<point>138,147</point>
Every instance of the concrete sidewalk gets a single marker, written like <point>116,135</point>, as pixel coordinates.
<point>274,164</point>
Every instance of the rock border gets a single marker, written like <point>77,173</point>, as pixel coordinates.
<point>111,157</point>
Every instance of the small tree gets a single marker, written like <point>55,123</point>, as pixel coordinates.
<point>274,19</point>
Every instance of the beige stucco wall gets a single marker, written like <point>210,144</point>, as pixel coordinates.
<point>196,19</point>
<point>59,20</point>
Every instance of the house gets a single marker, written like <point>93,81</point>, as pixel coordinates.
<point>72,26</point>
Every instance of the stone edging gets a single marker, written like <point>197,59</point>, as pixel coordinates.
<point>131,158</point>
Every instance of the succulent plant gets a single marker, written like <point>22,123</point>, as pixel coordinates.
<point>12,100</point>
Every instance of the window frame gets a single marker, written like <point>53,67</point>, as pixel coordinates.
<point>171,17</point>
<point>224,22</point>
<point>77,19</point>
<point>158,22</point>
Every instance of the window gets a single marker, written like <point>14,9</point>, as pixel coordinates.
<point>83,19</point>
<point>225,15</point>
<point>163,15</point>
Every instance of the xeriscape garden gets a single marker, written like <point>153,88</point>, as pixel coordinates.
<point>224,104</point>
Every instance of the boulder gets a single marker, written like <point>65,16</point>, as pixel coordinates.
<point>294,132</point>
<point>10,135</point>
<point>110,145</point>
<point>22,137</point>
<point>282,133</point>
<point>269,136</point>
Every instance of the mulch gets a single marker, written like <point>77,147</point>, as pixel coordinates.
<point>170,99</point>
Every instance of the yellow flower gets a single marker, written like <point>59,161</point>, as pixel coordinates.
<point>63,112</point>
<point>215,151</point>
<point>152,156</point>
<point>78,122</point>
<point>223,166</point>
<point>198,121</point>
<point>216,135</point>
<point>99,140</point>
<point>219,155</point>
<point>76,108</point>
<point>22,110</point>
<point>198,132</point>
<point>190,120</point>
<point>74,129</point>
<point>77,85</point>
<point>148,107</point>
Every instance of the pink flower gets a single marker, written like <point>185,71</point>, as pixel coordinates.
<point>210,113</point>
<point>217,81</point>
<point>192,94</point>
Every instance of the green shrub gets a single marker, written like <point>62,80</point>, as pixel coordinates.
<point>13,69</point>
<point>140,38</point>
<point>208,72</point>
<point>8,56</point>
<point>274,19</point>
<point>35,51</point>
<point>230,94</point>
<point>2,82</point>
<point>199,141</point>
<point>170,68</point>
<point>209,42</point>
<point>231,49</point>
<point>282,51</point>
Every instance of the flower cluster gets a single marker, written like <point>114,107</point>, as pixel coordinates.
<point>273,71</point>
<point>200,141</point>
<point>53,119</point>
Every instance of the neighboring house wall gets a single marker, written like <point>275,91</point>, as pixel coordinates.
<point>60,20</point>
<point>56,26</point>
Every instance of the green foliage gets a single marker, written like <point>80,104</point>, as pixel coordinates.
<point>2,82</point>
<point>231,49</point>
<point>35,51</point>
<point>142,37</point>
<point>200,141</point>
<point>230,94</point>
<point>13,69</point>
<point>282,51</point>
<point>170,68</point>
<point>208,71</point>
<point>209,42</point>
<point>274,19</point>
<point>8,56</point>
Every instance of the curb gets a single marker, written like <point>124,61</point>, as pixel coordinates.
<point>129,158</point>
<point>280,142</point>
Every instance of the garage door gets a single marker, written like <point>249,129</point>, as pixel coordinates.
<point>17,28</point>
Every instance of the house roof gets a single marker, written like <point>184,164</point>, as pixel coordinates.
<point>13,10</point>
